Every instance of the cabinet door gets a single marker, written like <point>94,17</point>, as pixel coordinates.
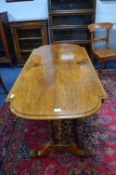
<point>28,36</point>
<point>71,19</point>
<point>16,45</point>
<point>74,34</point>
<point>2,53</point>
<point>29,39</point>
<point>44,35</point>
<point>4,50</point>
<point>71,4</point>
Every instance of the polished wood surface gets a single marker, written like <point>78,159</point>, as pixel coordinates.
<point>106,54</point>
<point>105,25</point>
<point>57,82</point>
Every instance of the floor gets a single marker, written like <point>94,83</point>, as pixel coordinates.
<point>9,75</point>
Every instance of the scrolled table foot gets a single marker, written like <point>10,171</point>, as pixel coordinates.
<point>78,151</point>
<point>45,150</point>
<point>72,147</point>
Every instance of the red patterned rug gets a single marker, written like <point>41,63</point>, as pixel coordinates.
<point>96,134</point>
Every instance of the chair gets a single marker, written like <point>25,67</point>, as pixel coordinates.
<point>106,54</point>
<point>2,84</point>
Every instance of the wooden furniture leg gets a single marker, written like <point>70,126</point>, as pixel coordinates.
<point>52,145</point>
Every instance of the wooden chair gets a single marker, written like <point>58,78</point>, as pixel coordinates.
<point>106,54</point>
<point>2,84</point>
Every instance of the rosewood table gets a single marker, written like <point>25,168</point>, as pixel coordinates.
<point>57,83</point>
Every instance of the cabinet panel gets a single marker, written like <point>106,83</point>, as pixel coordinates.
<point>71,4</point>
<point>25,56</point>
<point>70,34</point>
<point>27,36</point>
<point>2,51</point>
<point>6,50</point>
<point>29,44</point>
<point>1,45</point>
<point>71,19</point>
<point>29,33</point>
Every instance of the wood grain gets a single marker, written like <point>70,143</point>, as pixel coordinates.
<point>57,82</point>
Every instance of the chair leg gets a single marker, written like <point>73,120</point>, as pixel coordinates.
<point>3,86</point>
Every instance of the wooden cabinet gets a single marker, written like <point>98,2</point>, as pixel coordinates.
<point>27,36</point>
<point>6,52</point>
<point>69,21</point>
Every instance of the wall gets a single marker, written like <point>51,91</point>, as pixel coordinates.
<point>30,10</point>
<point>105,11</point>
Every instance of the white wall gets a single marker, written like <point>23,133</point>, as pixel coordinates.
<point>30,10</point>
<point>106,11</point>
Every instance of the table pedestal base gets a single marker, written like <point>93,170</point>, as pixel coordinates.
<point>58,130</point>
<point>70,148</point>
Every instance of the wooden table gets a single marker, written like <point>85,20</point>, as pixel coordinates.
<point>57,82</point>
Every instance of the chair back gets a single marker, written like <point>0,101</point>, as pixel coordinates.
<point>100,26</point>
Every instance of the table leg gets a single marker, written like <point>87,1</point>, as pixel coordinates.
<point>56,140</point>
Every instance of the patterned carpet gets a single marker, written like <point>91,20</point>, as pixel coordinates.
<point>96,134</point>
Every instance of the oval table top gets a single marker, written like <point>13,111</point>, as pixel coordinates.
<point>57,82</point>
